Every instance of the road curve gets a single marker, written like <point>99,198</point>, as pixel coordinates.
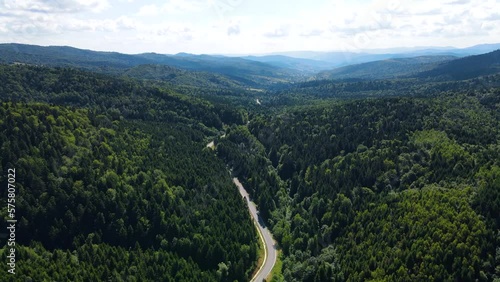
<point>265,235</point>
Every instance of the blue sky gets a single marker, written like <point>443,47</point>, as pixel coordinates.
<point>248,26</point>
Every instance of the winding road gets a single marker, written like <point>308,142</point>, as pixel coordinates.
<point>265,235</point>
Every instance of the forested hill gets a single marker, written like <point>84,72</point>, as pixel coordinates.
<point>384,69</point>
<point>180,77</point>
<point>113,182</point>
<point>126,97</point>
<point>434,67</point>
<point>249,72</point>
<point>379,189</point>
<point>468,67</point>
<point>403,77</point>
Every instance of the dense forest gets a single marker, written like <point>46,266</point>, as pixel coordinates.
<point>115,182</point>
<point>395,188</point>
<point>393,179</point>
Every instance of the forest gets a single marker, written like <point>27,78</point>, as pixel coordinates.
<point>394,179</point>
<point>116,185</point>
<point>387,189</point>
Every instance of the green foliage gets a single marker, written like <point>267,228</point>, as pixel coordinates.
<point>85,179</point>
<point>385,69</point>
<point>429,234</point>
<point>102,262</point>
<point>355,180</point>
<point>181,77</point>
<point>235,70</point>
<point>468,67</point>
<point>121,98</point>
<point>398,181</point>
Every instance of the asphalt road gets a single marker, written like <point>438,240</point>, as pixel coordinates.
<point>270,247</point>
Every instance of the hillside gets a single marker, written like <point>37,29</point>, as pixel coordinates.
<point>113,181</point>
<point>68,57</point>
<point>346,57</point>
<point>390,68</point>
<point>305,66</point>
<point>468,67</point>
<point>244,71</point>
<point>391,179</point>
<point>402,189</point>
<point>180,77</point>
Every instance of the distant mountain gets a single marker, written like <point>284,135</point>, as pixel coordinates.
<point>435,67</point>
<point>483,48</point>
<point>252,71</point>
<point>389,68</point>
<point>468,67</point>
<point>299,64</point>
<point>245,71</point>
<point>341,58</point>
<point>182,77</point>
<point>67,56</point>
<point>249,72</point>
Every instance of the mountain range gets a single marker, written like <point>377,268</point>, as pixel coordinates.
<point>261,71</point>
<point>389,68</point>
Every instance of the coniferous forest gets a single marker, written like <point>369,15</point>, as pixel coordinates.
<point>110,186</point>
<point>394,179</point>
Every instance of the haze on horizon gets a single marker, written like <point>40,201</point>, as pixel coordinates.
<point>248,26</point>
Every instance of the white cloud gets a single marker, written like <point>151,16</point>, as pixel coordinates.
<point>312,32</point>
<point>172,7</point>
<point>281,31</point>
<point>458,2</point>
<point>408,21</point>
<point>48,6</point>
<point>181,6</point>
<point>149,10</point>
<point>233,30</point>
<point>38,25</point>
<point>95,6</point>
<point>258,26</point>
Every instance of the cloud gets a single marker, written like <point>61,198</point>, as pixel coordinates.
<point>233,30</point>
<point>149,10</point>
<point>126,23</point>
<point>48,6</point>
<point>172,7</point>
<point>180,6</point>
<point>38,25</point>
<point>458,2</point>
<point>44,17</point>
<point>172,32</point>
<point>493,17</point>
<point>429,12</point>
<point>95,6</point>
<point>193,25</point>
<point>453,19</point>
<point>424,18</point>
<point>312,32</point>
<point>281,31</point>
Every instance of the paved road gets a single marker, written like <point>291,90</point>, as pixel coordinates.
<point>270,247</point>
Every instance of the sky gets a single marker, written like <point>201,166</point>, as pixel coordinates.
<point>248,26</point>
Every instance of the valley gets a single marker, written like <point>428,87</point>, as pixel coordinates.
<point>382,168</point>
